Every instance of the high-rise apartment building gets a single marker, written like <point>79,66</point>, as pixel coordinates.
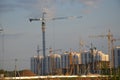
<point>69,62</point>
<point>116,57</point>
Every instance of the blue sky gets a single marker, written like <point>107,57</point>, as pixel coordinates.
<point>22,37</point>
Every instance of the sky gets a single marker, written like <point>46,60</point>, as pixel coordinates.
<point>20,38</point>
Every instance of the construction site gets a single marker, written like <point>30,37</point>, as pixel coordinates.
<point>83,65</point>
<point>70,65</point>
<point>59,40</point>
<point>74,63</point>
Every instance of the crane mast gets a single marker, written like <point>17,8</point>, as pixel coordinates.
<point>43,35</point>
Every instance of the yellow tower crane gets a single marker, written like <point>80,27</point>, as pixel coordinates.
<point>109,37</point>
<point>112,50</point>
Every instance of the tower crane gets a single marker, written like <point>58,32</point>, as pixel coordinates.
<point>112,50</point>
<point>43,19</point>
<point>109,37</point>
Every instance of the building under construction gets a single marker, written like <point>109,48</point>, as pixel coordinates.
<point>71,63</point>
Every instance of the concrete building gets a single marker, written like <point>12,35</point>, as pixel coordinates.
<point>85,57</point>
<point>91,61</point>
<point>65,60</point>
<point>53,63</point>
<point>70,62</point>
<point>37,64</point>
<point>116,57</point>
